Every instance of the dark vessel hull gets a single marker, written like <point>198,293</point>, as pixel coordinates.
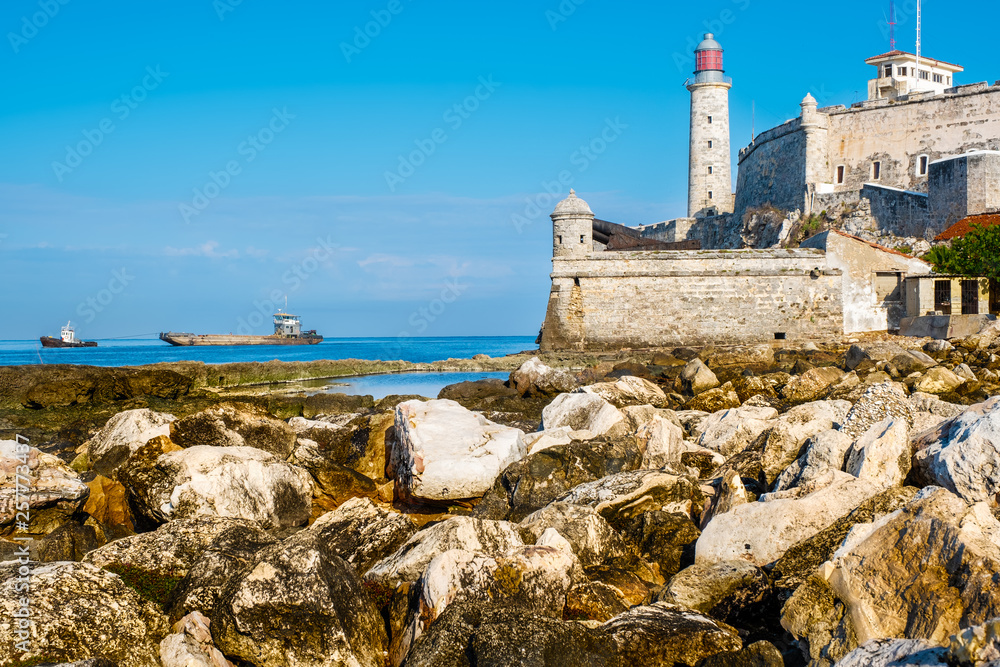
<point>49,341</point>
<point>191,340</point>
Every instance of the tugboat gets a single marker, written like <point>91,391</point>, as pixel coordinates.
<point>67,338</point>
<point>287,331</point>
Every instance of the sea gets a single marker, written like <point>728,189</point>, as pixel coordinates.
<point>141,352</point>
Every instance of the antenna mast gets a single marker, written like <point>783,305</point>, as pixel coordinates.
<point>918,45</point>
<point>892,25</point>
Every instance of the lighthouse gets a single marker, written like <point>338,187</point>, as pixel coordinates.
<point>709,170</point>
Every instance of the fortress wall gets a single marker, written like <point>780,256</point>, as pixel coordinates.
<point>654,299</point>
<point>900,212</point>
<point>897,134</point>
<point>772,170</point>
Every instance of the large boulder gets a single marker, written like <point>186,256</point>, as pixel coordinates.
<point>191,644</point>
<point>233,425</point>
<point>53,491</point>
<point>446,452</point>
<point>477,633</point>
<point>407,563</point>
<point>697,378</point>
<point>912,361</point>
<point>237,482</point>
<point>922,572</point>
<point>537,480</point>
<point>882,454</point>
<point>123,434</point>
<point>962,453</point>
<point>896,653</point>
<point>781,444</point>
<point>666,634</point>
<point>811,384</point>
<point>629,390</point>
<point>661,442</point>
<point>298,606</point>
<point>352,441</point>
<point>583,412</point>
<point>593,540</point>
<point>622,496</point>
<point>939,380</point>
<point>728,590</point>
<point>232,552</point>
<point>876,403</point>
<point>77,612</point>
<point>824,451</point>
<point>533,378</point>
<point>762,532</point>
<point>731,431</point>
<point>665,540</point>
<point>170,550</point>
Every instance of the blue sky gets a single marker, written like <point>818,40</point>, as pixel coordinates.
<point>175,165</point>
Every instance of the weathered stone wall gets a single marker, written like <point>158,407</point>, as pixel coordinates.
<point>772,170</point>
<point>964,185</point>
<point>869,301</point>
<point>897,133</point>
<point>671,231</point>
<point>899,212</point>
<point>651,299</point>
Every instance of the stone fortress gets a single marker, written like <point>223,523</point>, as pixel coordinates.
<point>919,155</point>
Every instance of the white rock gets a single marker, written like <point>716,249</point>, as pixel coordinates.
<point>661,443</point>
<point>762,532</point>
<point>445,452</point>
<point>882,454</point>
<point>191,645</point>
<point>123,434</point>
<point>237,482</point>
<point>493,538</point>
<point>697,377</point>
<point>629,390</point>
<point>939,380</point>
<point>963,371</point>
<point>791,430</point>
<point>962,453</point>
<point>534,377</point>
<point>582,412</point>
<point>730,431</point>
<point>896,653</point>
<point>824,451</point>
<point>54,490</point>
<point>556,437</point>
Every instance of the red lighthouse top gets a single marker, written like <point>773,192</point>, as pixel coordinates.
<point>708,55</point>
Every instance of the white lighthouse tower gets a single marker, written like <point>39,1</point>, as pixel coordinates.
<point>710,186</point>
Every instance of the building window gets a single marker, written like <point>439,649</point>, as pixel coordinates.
<point>709,120</point>
<point>925,75</point>
<point>938,78</point>
<point>888,287</point>
<point>876,170</point>
<point>942,296</point>
<point>902,71</point>
<point>922,163</point>
<point>970,297</point>
<point>948,79</point>
<point>994,297</point>
<point>711,170</point>
<point>711,143</point>
<point>886,71</point>
<point>709,194</point>
<point>560,239</point>
<point>840,174</point>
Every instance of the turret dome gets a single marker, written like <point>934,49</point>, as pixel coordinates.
<point>709,43</point>
<point>573,205</point>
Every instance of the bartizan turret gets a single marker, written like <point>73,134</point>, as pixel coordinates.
<point>572,228</point>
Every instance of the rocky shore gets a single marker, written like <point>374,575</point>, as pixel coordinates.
<point>753,506</point>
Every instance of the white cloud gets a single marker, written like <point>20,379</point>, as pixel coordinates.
<point>208,249</point>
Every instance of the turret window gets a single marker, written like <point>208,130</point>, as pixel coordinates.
<point>876,170</point>
<point>709,120</point>
<point>922,163</point>
<point>560,239</point>
<point>709,194</point>
<point>840,174</point>
<point>582,239</point>
<point>711,143</point>
<point>711,170</point>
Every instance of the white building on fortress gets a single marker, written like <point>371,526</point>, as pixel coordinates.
<point>919,155</point>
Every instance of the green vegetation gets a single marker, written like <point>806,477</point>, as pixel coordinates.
<point>151,586</point>
<point>975,254</point>
<point>379,594</point>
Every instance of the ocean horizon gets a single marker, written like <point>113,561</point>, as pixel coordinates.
<point>142,352</point>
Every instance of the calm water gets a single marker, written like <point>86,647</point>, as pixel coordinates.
<point>142,352</point>
<point>403,384</point>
